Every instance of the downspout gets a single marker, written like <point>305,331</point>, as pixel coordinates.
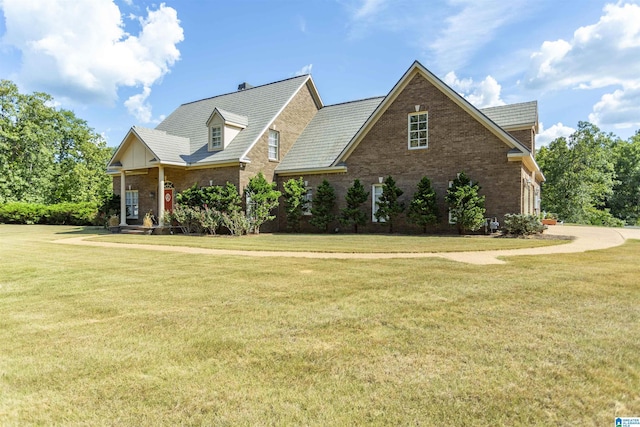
<point>160,195</point>
<point>123,200</point>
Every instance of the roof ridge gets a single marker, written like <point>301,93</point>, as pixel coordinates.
<point>355,100</point>
<point>246,90</point>
<point>510,105</point>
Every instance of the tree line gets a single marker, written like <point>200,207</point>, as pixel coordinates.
<point>48,155</point>
<point>592,177</point>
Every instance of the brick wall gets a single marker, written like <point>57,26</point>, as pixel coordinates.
<point>457,142</point>
<point>290,124</point>
<point>526,137</point>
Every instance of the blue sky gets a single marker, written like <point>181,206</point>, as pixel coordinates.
<point>118,63</point>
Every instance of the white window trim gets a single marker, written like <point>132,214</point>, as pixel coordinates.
<point>374,203</point>
<point>419,147</point>
<point>276,138</point>
<point>220,145</point>
<point>130,205</point>
<point>451,221</point>
<point>309,198</point>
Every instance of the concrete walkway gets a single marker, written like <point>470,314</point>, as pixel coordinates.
<point>585,239</point>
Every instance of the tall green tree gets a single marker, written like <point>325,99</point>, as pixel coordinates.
<point>580,173</point>
<point>352,214</point>
<point>389,206</point>
<point>466,205</point>
<point>295,202</point>
<point>423,209</point>
<point>625,198</point>
<point>48,155</point>
<point>262,197</point>
<point>322,206</point>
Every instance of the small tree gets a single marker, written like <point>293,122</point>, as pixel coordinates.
<point>388,205</point>
<point>352,214</point>
<point>295,202</point>
<point>324,202</point>
<point>465,204</point>
<point>223,198</point>
<point>262,197</point>
<point>423,209</point>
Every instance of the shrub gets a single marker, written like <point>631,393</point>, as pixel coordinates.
<point>603,218</point>
<point>466,205</point>
<point>322,206</point>
<point>423,209</point>
<point>522,225</point>
<point>295,202</point>
<point>85,213</point>
<point>236,222</point>
<point>352,214</point>
<point>21,213</point>
<point>71,214</point>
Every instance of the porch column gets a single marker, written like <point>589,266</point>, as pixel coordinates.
<point>160,195</point>
<point>123,200</point>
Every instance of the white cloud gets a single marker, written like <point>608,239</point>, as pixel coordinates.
<point>482,94</point>
<point>620,108</point>
<point>138,107</point>
<point>474,26</point>
<point>598,55</point>
<point>304,70</point>
<point>302,24</point>
<point>601,55</point>
<point>79,51</point>
<point>368,8</point>
<point>556,131</point>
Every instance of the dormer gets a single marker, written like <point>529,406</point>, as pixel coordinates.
<point>223,126</point>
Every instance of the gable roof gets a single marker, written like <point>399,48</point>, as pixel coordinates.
<point>415,69</point>
<point>167,148</point>
<point>514,116</point>
<point>327,134</point>
<point>229,117</point>
<point>258,107</point>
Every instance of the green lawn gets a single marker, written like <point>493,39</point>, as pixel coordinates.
<point>361,243</point>
<point>96,336</point>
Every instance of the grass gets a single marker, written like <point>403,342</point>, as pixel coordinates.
<point>360,243</point>
<point>95,336</point>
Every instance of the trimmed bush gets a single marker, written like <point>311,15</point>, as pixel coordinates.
<point>85,213</point>
<point>522,225</point>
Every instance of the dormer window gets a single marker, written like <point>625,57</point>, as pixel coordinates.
<point>418,130</point>
<point>215,142</point>
<point>223,127</point>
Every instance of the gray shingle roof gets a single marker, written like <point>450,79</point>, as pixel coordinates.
<point>260,105</point>
<point>328,134</point>
<point>513,115</point>
<point>230,117</point>
<point>168,148</point>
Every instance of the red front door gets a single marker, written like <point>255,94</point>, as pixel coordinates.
<point>168,199</point>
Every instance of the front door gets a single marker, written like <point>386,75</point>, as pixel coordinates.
<point>168,199</point>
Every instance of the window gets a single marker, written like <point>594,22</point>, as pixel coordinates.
<point>216,138</point>
<point>376,192</point>
<point>418,130</point>
<point>308,198</point>
<point>131,201</point>
<point>274,144</point>
<point>451,218</point>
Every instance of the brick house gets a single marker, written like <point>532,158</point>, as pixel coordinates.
<point>422,127</point>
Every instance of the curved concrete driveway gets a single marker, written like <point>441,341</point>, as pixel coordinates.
<point>586,239</point>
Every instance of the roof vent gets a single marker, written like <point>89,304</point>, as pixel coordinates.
<point>244,86</point>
